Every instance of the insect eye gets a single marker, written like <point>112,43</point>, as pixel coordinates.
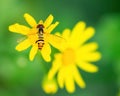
<point>40,26</point>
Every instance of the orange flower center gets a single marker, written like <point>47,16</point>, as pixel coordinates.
<point>68,56</point>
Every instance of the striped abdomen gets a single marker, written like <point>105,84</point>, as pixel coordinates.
<point>40,40</point>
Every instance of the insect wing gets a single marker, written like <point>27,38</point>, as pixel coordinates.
<point>21,39</point>
<point>55,41</point>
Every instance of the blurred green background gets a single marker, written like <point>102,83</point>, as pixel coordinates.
<point>20,77</point>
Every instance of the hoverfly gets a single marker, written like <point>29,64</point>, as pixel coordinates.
<point>40,33</point>
<point>53,39</point>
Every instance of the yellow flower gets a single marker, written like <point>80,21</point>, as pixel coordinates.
<point>49,86</point>
<point>118,93</point>
<point>75,53</point>
<point>38,36</point>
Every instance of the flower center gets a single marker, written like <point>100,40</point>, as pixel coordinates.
<point>68,56</point>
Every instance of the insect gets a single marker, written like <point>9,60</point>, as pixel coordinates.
<point>53,39</point>
<point>40,40</point>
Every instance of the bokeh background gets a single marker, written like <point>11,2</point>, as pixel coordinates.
<point>20,77</point>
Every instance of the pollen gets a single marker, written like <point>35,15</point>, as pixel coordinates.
<point>68,56</point>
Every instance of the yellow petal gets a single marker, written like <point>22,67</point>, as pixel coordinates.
<point>30,20</point>
<point>54,40</point>
<point>88,67</point>
<point>77,77</point>
<point>89,57</point>
<point>17,28</point>
<point>90,47</point>
<point>46,51</point>
<point>49,86</point>
<point>53,71</point>
<point>77,30</point>
<point>65,42</point>
<point>69,81</point>
<point>55,66</point>
<point>87,34</point>
<point>61,78</point>
<point>76,33</point>
<point>66,34</point>
<point>23,45</point>
<point>58,34</point>
<point>48,21</point>
<point>40,22</point>
<point>33,51</point>
<point>33,38</point>
<point>51,27</point>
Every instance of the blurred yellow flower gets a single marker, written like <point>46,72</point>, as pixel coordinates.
<point>38,36</point>
<point>49,86</point>
<point>118,93</point>
<point>75,53</point>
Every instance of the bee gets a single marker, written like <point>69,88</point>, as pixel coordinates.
<point>40,33</point>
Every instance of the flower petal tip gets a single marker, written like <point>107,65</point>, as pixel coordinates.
<point>99,55</point>
<point>56,23</point>
<point>61,86</point>
<point>71,91</point>
<point>48,60</point>
<point>51,16</point>
<point>97,69</point>
<point>31,59</point>
<point>26,14</point>
<point>83,86</point>
<point>16,48</point>
<point>82,22</point>
<point>12,27</point>
<point>92,29</point>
